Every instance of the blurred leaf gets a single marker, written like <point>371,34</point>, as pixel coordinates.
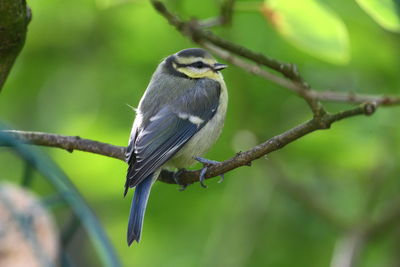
<point>311,27</point>
<point>384,12</point>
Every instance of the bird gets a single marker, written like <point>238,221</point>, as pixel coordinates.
<point>179,117</point>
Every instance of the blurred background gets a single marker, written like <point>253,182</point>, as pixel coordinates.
<point>84,62</point>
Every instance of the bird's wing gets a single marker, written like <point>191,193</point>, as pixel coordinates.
<point>169,129</point>
<point>130,150</point>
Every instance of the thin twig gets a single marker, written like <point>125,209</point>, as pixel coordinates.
<point>380,100</point>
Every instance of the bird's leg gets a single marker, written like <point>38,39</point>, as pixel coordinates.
<point>176,179</point>
<point>207,163</point>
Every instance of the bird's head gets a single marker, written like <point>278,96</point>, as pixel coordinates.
<point>194,63</point>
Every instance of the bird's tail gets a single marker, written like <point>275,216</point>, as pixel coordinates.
<point>138,208</point>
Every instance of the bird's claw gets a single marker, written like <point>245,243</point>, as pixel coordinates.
<point>207,163</point>
<point>202,177</point>
<point>176,179</point>
<point>183,187</point>
<point>222,178</point>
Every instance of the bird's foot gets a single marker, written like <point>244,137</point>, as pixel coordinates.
<point>207,163</point>
<point>177,181</point>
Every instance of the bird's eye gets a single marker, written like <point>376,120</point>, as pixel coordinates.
<point>198,64</point>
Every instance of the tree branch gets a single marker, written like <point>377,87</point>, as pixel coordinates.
<point>71,143</point>
<point>14,19</point>
<point>292,79</point>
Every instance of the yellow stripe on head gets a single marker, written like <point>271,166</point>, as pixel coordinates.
<point>190,60</point>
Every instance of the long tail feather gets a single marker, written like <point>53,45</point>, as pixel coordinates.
<point>138,208</point>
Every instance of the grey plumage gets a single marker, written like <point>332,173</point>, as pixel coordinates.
<point>178,118</point>
<point>194,52</point>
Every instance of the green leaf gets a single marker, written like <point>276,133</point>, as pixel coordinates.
<point>385,12</point>
<point>310,26</point>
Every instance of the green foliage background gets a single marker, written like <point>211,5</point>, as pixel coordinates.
<point>84,61</point>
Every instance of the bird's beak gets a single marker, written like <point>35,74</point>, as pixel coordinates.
<point>219,66</point>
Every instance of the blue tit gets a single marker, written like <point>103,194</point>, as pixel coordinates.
<point>178,119</point>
